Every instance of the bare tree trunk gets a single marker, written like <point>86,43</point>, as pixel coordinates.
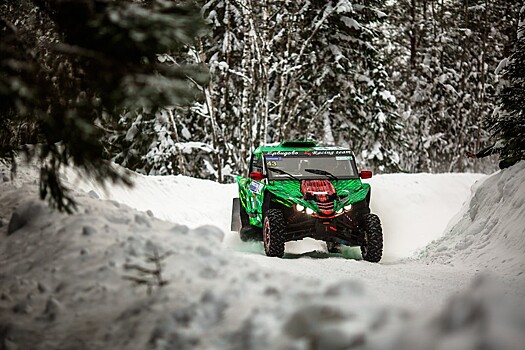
<point>482,94</point>
<point>413,35</point>
<point>284,82</point>
<point>215,129</point>
<point>257,44</point>
<point>180,157</point>
<point>461,126</point>
<point>265,64</point>
<point>245,117</point>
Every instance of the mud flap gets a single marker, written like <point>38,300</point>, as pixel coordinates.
<point>236,215</point>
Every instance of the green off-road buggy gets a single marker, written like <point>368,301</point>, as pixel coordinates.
<point>297,190</point>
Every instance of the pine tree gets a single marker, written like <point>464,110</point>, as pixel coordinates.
<point>280,70</point>
<point>507,124</point>
<point>295,70</point>
<point>442,60</point>
<point>73,67</point>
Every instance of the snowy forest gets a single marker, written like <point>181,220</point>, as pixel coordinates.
<point>173,96</point>
<point>191,88</point>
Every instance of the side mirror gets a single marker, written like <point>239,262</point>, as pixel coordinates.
<point>365,174</point>
<point>256,175</point>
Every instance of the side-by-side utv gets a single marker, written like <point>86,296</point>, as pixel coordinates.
<point>297,190</point>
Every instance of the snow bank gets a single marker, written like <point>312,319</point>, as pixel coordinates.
<point>63,285</point>
<point>181,199</point>
<point>415,209</point>
<point>490,230</point>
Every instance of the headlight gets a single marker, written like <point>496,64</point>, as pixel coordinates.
<point>299,207</point>
<point>309,211</point>
<point>339,211</point>
<point>348,207</point>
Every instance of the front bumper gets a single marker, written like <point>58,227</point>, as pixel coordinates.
<point>340,229</point>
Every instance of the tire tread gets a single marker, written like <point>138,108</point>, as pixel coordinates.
<point>278,226</point>
<point>373,238</point>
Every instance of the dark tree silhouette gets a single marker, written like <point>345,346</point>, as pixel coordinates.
<point>67,68</point>
<point>508,122</point>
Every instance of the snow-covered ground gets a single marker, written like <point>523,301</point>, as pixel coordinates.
<point>414,209</point>
<point>75,282</point>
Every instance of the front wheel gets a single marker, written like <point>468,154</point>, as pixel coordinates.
<point>273,233</point>
<point>372,246</point>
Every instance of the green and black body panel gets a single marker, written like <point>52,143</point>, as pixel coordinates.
<point>297,190</point>
<point>256,198</point>
<point>286,193</point>
<point>251,195</point>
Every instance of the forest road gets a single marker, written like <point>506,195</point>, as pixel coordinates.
<point>415,209</point>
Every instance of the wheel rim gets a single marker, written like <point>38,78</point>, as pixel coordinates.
<point>266,234</point>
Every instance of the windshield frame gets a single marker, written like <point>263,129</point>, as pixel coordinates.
<point>310,154</point>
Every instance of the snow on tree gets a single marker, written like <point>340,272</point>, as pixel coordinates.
<point>320,70</point>
<point>296,70</point>
<point>507,124</point>
<point>442,61</point>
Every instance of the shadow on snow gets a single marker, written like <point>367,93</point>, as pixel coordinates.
<point>352,253</point>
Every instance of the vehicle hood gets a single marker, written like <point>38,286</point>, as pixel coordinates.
<point>308,192</point>
<point>320,190</point>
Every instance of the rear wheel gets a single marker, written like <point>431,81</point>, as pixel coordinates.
<point>273,233</point>
<point>372,246</point>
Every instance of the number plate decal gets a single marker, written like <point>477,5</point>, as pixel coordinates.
<point>256,187</point>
